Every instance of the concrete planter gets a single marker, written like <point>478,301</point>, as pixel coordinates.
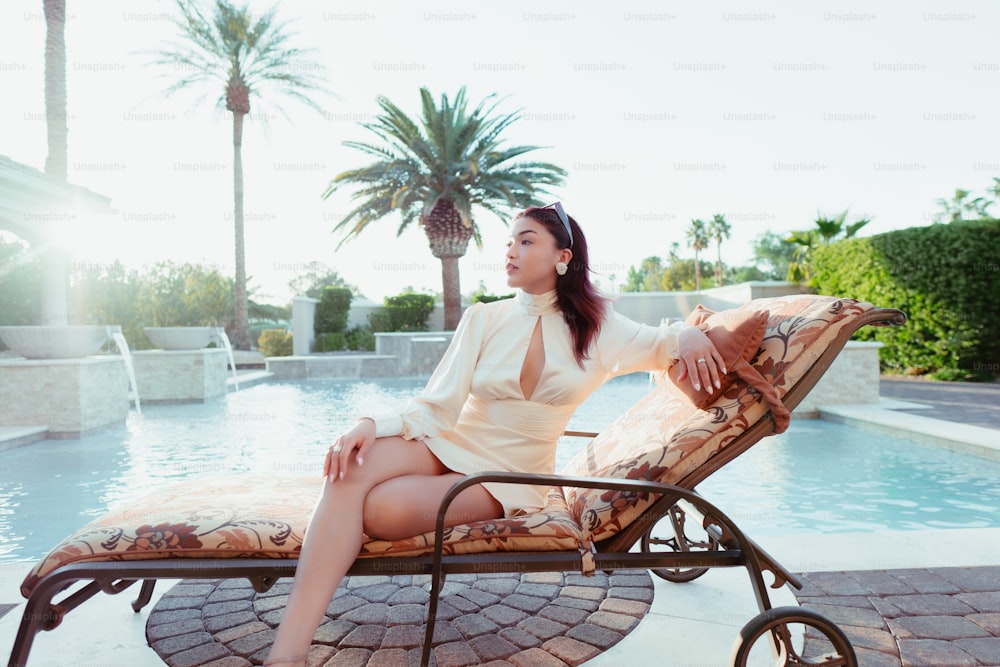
<point>54,341</point>
<point>181,338</point>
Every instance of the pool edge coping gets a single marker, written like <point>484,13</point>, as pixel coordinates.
<point>882,417</point>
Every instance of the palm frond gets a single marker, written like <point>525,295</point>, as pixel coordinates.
<point>853,228</point>
<point>450,151</point>
<point>234,46</point>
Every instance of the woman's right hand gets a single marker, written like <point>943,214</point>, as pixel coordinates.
<point>359,438</point>
<point>702,361</point>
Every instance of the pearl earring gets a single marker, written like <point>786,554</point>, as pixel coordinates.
<point>561,268</point>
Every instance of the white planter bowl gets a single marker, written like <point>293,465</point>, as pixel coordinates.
<point>182,338</point>
<point>54,341</point>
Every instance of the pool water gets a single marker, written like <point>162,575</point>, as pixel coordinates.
<point>817,477</point>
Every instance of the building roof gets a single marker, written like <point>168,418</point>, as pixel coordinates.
<point>33,202</point>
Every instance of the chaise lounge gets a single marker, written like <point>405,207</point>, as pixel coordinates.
<point>626,501</point>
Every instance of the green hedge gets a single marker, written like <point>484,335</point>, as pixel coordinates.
<point>331,342</point>
<point>945,277</point>
<point>379,322</point>
<point>332,310</point>
<point>361,338</point>
<point>409,312</point>
<point>490,298</point>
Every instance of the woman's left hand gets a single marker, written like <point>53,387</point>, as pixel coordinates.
<point>701,360</point>
<point>338,456</point>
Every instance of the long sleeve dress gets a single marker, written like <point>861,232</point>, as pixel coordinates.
<point>473,415</point>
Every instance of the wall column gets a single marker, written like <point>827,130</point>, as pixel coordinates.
<point>303,325</point>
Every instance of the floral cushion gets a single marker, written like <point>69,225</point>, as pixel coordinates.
<point>266,517</point>
<point>664,437</point>
<point>551,529</point>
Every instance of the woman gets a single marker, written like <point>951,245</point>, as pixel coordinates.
<point>503,393</point>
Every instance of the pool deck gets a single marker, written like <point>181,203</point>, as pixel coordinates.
<point>913,598</point>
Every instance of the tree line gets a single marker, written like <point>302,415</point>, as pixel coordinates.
<point>776,257</point>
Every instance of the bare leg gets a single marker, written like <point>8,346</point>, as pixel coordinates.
<point>389,519</point>
<point>334,535</point>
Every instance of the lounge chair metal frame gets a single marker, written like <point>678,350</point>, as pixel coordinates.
<point>728,546</point>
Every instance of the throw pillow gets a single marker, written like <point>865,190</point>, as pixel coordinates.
<point>737,335</point>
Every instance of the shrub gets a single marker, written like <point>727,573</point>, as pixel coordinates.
<point>332,310</point>
<point>275,343</point>
<point>165,295</point>
<point>945,277</point>
<point>20,284</point>
<point>409,312</point>
<point>490,298</point>
<point>361,338</point>
<point>379,321</point>
<point>331,342</point>
<point>257,328</point>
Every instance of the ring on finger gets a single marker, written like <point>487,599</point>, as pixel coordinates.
<point>701,361</point>
<point>336,449</point>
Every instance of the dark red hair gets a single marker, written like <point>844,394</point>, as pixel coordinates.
<point>582,306</point>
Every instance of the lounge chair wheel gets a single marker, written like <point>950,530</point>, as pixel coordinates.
<point>682,538</point>
<point>792,636</point>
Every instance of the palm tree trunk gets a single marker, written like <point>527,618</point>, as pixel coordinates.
<point>54,299</point>
<point>448,237</point>
<point>718,264</point>
<point>452,293</point>
<point>241,326</point>
<point>55,87</point>
<point>697,272</point>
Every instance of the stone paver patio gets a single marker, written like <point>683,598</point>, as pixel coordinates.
<point>503,620</point>
<point>913,617</point>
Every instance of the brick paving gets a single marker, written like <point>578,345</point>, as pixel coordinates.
<point>939,617</point>
<point>499,620</point>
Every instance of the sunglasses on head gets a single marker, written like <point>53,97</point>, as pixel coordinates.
<point>557,207</point>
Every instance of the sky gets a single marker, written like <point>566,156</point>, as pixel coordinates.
<point>770,113</point>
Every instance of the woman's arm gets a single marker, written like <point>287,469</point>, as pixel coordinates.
<point>437,407</point>
<point>626,346</point>
<point>432,412</point>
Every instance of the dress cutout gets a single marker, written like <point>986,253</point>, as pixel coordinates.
<point>534,362</point>
<point>474,415</point>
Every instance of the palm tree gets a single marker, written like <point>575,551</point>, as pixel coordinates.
<point>954,209</point>
<point>827,231</point>
<point>775,253</point>
<point>652,271</point>
<point>798,268</point>
<point>434,170</point>
<point>718,230</point>
<point>697,236</point>
<point>245,56</point>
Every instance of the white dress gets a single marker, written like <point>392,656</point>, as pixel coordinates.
<point>472,414</point>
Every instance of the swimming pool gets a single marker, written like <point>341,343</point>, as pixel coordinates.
<point>817,477</point>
